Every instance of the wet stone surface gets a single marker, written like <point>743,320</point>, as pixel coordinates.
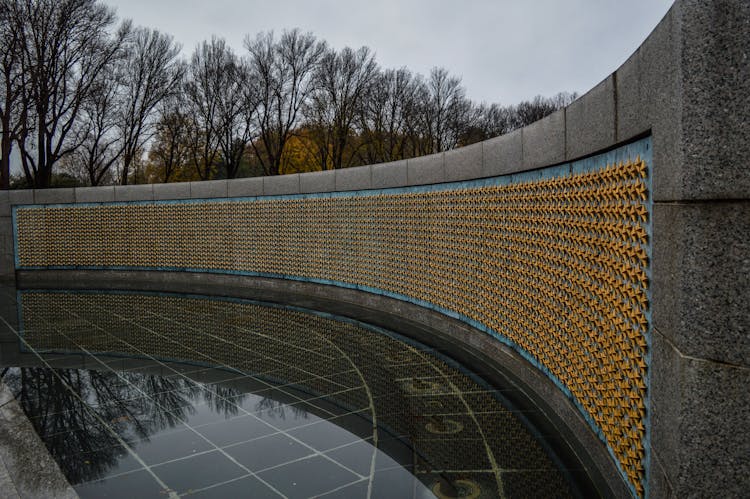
<point>155,395</point>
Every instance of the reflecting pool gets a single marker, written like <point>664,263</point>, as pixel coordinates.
<point>165,395</point>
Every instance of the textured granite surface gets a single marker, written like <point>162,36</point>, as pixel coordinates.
<point>426,169</point>
<point>715,84</point>
<point>386,175</point>
<point>209,189</point>
<point>174,190</point>
<point>317,181</point>
<point>26,468</point>
<point>52,196</point>
<point>502,155</point>
<point>96,194</point>
<point>544,141</point>
<point>698,409</point>
<point>246,187</point>
<point>4,204</point>
<point>590,120</point>
<point>134,192</point>
<point>282,184</point>
<point>464,163</point>
<point>353,179</point>
<point>701,278</point>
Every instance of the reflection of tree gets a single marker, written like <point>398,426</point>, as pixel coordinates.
<point>223,399</point>
<point>407,389</point>
<point>275,409</point>
<point>83,415</point>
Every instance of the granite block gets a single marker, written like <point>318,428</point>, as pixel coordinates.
<point>647,87</point>
<point>354,179</point>
<point>715,84</point>
<point>388,175</point>
<point>11,415</point>
<point>590,121</point>
<point>99,194</point>
<point>713,438</point>
<point>209,189</point>
<point>659,102</point>
<point>311,182</point>
<point>701,278</point>
<point>4,204</point>
<point>503,155</point>
<point>6,483</point>
<point>142,192</point>
<point>426,169</point>
<point>6,243</point>
<point>666,402</point>
<point>658,481</point>
<point>54,196</point>
<point>21,196</point>
<point>686,83</point>
<point>628,107</point>
<point>5,394</point>
<point>544,141</point>
<point>245,187</point>
<point>9,311</point>
<point>7,265</point>
<point>29,463</point>
<point>464,163</point>
<point>281,184</point>
<point>9,353</point>
<point>172,190</point>
<point>697,410</point>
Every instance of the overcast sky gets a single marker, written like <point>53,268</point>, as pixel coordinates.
<point>504,50</point>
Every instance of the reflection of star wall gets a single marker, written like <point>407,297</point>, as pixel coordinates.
<point>556,266</point>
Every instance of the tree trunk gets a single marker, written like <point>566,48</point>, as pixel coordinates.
<point>126,160</point>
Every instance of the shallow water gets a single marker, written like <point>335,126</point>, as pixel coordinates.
<point>157,395</point>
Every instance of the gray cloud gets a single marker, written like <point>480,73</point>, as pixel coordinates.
<point>505,50</point>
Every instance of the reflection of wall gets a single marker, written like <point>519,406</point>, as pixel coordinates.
<point>687,86</point>
<point>555,263</point>
<point>453,422</point>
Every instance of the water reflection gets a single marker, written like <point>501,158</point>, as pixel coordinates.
<point>280,396</point>
<point>74,411</point>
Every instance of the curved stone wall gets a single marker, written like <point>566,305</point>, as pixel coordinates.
<point>554,263</point>
<point>684,89</point>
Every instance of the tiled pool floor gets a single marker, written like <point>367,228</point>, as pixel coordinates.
<point>155,395</point>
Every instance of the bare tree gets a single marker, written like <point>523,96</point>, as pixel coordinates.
<point>204,85</point>
<point>342,81</point>
<point>562,99</point>
<point>170,149</point>
<point>102,146</point>
<point>238,102</point>
<point>11,110</point>
<point>386,114</point>
<point>444,113</point>
<point>65,44</point>
<point>284,69</point>
<point>527,112</point>
<point>150,72</point>
<point>489,121</point>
